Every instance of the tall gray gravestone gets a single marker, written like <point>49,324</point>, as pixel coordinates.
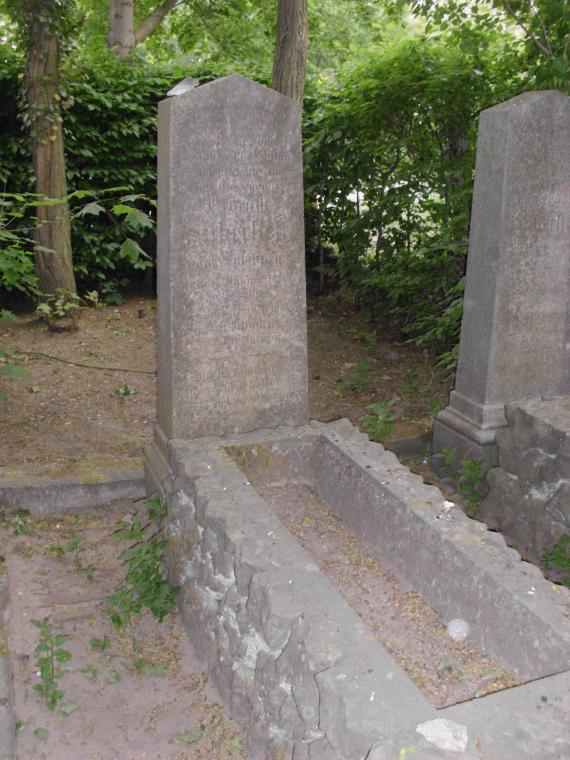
<point>232,353</point>
<point>515,334</point>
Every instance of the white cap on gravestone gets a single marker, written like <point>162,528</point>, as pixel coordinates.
<point>184,86</point>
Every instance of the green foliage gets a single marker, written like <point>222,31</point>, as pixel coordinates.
<point>559,557</point>
<point>145,585</point>
<point>99,645</point>
<point>124,391</point>
<point>111,169</point>
<point>58,305</point>
<point>76,549</point>
<point>8,368</point>
<point>358,379</point>
<point>468,475</point>
<point>471,483</point>
<point>17,520</point>
<point>380,422</point>
<point>17,271</point>
<point>537,33</point>
<point>50,654</point>
<point>389,161</point>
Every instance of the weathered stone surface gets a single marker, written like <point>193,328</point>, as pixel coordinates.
<point>515,341</point>
<point>231,287</point>
<point>529,493</point>
<point>298,668</point>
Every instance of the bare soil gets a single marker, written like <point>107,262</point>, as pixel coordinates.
<point>64,419</point>
<point>86,405</point>
<point>413,632</point>
<point>144,695</point>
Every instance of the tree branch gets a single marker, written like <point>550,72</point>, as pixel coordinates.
<point>546,49</point>
<point>151,23</point>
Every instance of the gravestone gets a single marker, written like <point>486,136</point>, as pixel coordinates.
<point>232,351</point>
<point>515,334</point>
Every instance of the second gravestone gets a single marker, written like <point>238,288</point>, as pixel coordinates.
<point>232,353</point>
<point>515,334</point>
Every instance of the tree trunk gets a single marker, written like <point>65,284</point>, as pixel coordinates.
<point>54,267</point>
<point>291,46</point>
<point>121,37</point>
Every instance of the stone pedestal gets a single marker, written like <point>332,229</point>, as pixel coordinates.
<point>515,334</point>
<point>232,351</point>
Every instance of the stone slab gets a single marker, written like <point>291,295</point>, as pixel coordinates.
<point>46,496</point>
<point>7,744</point>
<point>232,350</point>
<point>295,664</point>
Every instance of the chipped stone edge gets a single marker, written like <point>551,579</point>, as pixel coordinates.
<point>45,496</point>
<point>7,726</point>
<point>192,476</point>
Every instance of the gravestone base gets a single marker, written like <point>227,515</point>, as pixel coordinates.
<point>297,667</point>
<point>450,431</point>
<point>157,472</point>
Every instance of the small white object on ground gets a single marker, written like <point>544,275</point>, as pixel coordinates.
<point>458,629</point>
<point>445,734</point>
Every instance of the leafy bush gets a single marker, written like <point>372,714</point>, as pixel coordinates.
<point>389,160</point>
<point>110,113</point>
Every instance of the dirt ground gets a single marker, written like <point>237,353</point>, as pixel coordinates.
<point>86,404</point>
<point>129,695</point>
<point>63,419</point>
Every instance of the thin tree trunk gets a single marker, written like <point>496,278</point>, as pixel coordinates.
<point>121,38</point>
<point>54,267</point>
<point>291,45</point>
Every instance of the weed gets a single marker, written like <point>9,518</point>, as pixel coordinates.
<point>90,671</point>
<point>17,520</point>
<point>380,422</point>
<point>49,655</point>
<point>471,481</point>
<point>358,380</point>
<point>124,391</point>
<point>59,307</point>
<point>468,476</point>
<point>145,585</point>
<point>74,547</point>
<point>99,645</point>
<point>559,556</point>
<point>369,339</point>
<point>411,383</point>
<point>447,456</point>
<point>435,407</point>
<point>112,675</point>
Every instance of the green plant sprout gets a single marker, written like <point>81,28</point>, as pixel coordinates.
<point>124,391</point>
<point>145,586</point>
<point>357,380</point>
<point>17,520</point>
<point>559,556</point>
<point>58,305</point>
<point>74,547</point>
<point>381,420</point>
<point>471,481</point>
<point>468,476</point>
<point>50,654</point>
